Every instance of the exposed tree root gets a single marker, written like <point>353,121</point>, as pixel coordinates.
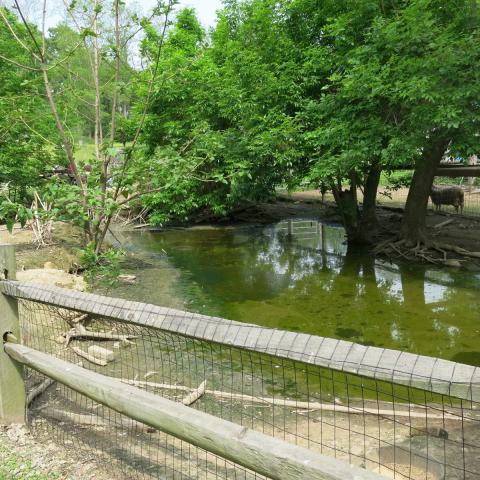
<point>429,252</point>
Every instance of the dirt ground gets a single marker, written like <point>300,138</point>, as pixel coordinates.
<point>61,255</point>
<point>23,457</point>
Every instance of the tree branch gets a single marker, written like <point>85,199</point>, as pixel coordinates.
<point>25,67</point>
<point>32,36</point>
<point>15,36</point>
<point>139,194</point>
<point>139,129</point>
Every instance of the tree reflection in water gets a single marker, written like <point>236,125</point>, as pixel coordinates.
<point>299,275</point>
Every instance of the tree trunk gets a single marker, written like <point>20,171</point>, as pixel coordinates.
<point>369,221</point>
<point>413,224</point>
<point>471,180</point>
<point>347,202</point>
<point>359,226</point>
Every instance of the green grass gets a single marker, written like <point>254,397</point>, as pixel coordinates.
<point>15,467</point>
<point>86,151</point>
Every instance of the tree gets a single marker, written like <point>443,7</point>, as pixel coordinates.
<point>221,110</point>
<point>28,149</point>
<point>94,199</point>
<point>393,85</point>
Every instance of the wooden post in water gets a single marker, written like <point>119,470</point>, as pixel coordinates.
<point>12,387</point>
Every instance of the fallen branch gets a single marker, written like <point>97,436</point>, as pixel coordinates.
<point>444,223</point>
<point>456,249</point>
<point>392,245</point>
<point>89,357</point>
<point>93,420</point>
<point>81,332</point>
<point>195,395</point>
<point>299,405</point>
<point>41,387</point>
<point>38,390</point>
<point>75,320</point>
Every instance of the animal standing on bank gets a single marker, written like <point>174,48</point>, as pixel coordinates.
<point>448,196</point>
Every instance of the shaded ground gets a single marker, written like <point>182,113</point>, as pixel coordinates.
<point>274,211</point>
<point>22,457</point>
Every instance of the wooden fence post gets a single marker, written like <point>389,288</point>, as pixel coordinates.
<point>12,386</point>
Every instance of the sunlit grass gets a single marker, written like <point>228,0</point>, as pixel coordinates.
<point>86,152</point>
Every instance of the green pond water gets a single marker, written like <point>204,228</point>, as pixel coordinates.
<point>299,275</point>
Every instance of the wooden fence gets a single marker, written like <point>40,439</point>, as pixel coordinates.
<point>260,453</point>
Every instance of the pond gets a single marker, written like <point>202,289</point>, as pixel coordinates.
<point>299,275</point>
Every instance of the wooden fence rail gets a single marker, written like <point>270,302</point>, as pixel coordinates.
<point>260,453</point>
<point>430,374</point>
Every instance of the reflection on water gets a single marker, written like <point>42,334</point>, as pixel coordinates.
<point>299,275</point>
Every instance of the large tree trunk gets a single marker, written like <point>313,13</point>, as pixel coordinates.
<point>413,225</point>
<point>369,221</point>
<point>347,203</point>
<point>359,225</point>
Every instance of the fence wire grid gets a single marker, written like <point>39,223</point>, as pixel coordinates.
<point>397,430</point>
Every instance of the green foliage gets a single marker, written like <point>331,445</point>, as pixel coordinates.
<point>219,130</point>
<point>398,179</point>
<point>101,269</point>
<point>12,213</point>
<point>281,92</point>
<point>27,132</point>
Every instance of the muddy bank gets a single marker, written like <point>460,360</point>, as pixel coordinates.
<point>262,213</point>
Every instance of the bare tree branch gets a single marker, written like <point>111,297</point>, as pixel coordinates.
<point>29,30</point>
<point>139,194</point>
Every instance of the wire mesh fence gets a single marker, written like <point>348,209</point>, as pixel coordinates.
<point>420,423</point>
<point>393,192</point>
<point>397,196</point>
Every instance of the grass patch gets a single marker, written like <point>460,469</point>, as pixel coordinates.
<point>86,152</point>
<point>15,467</point>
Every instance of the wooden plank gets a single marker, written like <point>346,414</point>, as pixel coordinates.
<point>261,453</point>
<point>12,388</point>
<point>427,373</point>
<point>458,171</point>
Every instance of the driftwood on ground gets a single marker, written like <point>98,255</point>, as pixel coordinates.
<point>90,358</point>
<point>38,390</point>
<point>302,405</point>
<point>195,395</point>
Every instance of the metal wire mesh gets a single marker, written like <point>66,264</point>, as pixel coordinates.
<point>399,431</point>
<point>397,197</point>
